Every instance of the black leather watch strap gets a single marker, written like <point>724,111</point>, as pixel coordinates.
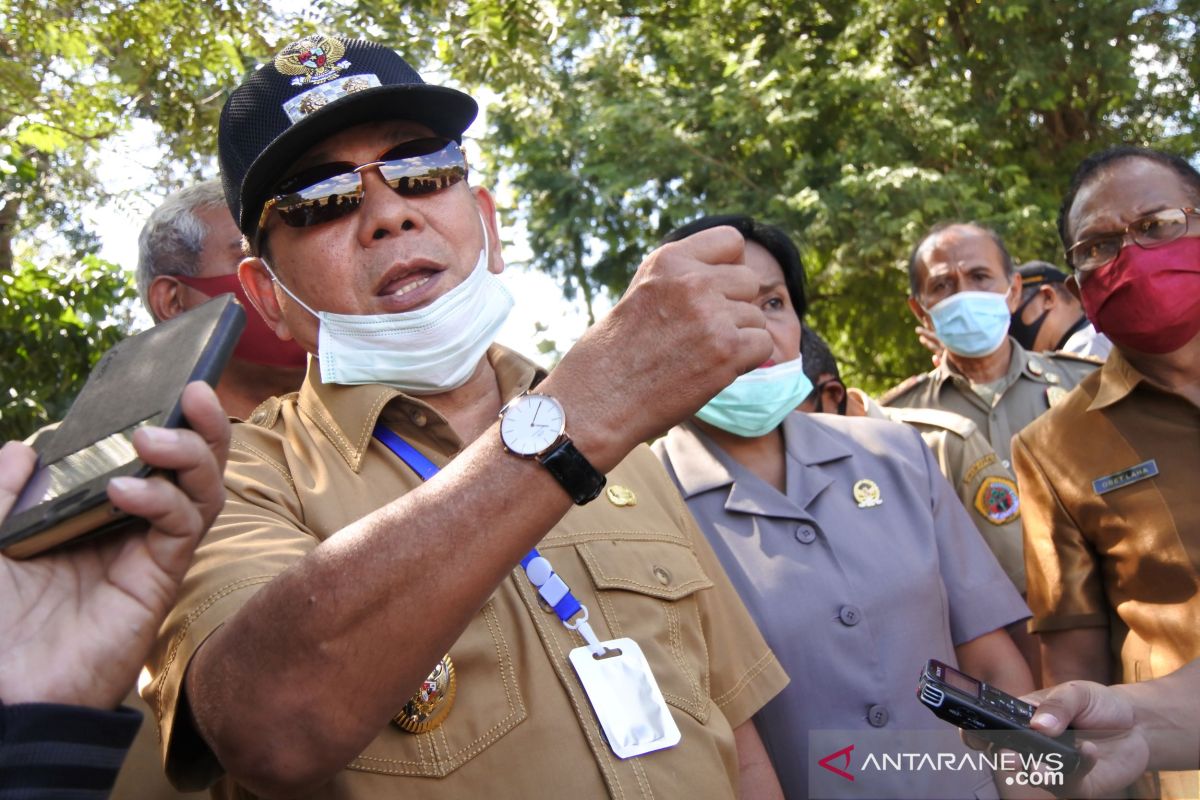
<point>576,474</point>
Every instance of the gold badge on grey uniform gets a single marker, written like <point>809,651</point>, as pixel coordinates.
<point>866,494</point>
<point>1055,395</point>
<point>621,496</point>
<point>429,707</point>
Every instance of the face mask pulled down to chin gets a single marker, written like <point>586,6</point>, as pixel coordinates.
<point>427,350</point>
<point>1147,300</point>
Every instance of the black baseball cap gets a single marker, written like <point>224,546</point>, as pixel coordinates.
<point>316,86</point>
<point>1035,273</point>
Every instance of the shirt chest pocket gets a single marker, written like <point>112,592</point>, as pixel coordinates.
<point>486,706</point>
<point>647,591</point>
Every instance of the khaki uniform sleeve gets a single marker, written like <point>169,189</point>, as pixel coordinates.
<point>743,672</point>
<point>258,535</point>
<point>980,478</point>
<point>1065,587</point>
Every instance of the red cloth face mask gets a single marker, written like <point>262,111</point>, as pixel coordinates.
<point>258,343</point>
<point>1147,300</point>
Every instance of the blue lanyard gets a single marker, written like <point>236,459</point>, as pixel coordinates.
<point>537,569</point>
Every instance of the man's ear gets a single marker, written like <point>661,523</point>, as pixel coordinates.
<point>1049,297</point>
<point>919,312</point>
<point>260,288</point>
<point>164,295</point>
<point>487,210</point>
<point>1014,292</point>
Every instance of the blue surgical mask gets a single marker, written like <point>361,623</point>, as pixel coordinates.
<point>755,404</point>
<point>971,324</point>
<point>425,351</point>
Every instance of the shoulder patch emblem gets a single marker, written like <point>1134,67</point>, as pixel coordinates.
<point>997,501</point>
<point>979,466</point>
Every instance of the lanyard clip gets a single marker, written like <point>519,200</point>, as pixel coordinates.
<point>585,630</point>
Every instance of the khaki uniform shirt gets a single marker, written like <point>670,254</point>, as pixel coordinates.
<point>1107,541</point>
<point>1033,383</point>
<point>520,725</point>
<point>987,489</point>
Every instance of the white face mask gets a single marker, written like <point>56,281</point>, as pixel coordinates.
<point>425,351</point>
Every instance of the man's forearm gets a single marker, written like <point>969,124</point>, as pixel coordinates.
<point>370,583</point>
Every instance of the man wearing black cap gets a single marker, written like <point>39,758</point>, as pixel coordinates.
<point>1050,317</point>
<point>367,617</point>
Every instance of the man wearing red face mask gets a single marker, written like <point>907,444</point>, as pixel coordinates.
<point>1112,526</point>
<point>188,252</point>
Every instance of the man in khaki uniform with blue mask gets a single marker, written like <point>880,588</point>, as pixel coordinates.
<point>964,288</point>
<point>367,618</point>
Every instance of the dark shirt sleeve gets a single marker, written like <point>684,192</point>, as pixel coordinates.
<point>56,751</point>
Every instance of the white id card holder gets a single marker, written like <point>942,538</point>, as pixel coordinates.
<point>623,693</point>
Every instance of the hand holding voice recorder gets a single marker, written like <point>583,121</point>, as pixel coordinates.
<point>993,715</point>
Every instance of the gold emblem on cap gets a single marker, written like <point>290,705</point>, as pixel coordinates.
<point>1055,395</point>
<point>429,707</point>
<point>620,496</point>
<point>314,59</point>
<point>866,494</point>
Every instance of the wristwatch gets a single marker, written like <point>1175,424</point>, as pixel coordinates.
<point>534,426</point>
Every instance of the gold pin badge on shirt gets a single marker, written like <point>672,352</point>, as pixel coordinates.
<point>1055,395</point>
<point>1052,378</point>
<point>866,494</point>
<point>429,707</point>
<point>620,496</point>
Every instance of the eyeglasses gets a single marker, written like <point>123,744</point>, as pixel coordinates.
<point>1152,230</point>
<point>332,191</point>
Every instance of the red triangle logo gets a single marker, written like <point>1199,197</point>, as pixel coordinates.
<point>844,753</point>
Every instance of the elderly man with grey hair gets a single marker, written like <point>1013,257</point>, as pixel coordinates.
<point>188,252</point>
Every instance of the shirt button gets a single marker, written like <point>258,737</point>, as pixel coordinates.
<point>805,534</point>
<point>1006,464</point>
<point>850,616</point>
<point>663,576</point>
<point>418,417</point>
<point>877,715</point>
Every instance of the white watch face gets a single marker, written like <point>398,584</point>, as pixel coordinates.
<point>531,424</point>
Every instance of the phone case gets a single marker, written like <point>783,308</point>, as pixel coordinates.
<point>138,381</point>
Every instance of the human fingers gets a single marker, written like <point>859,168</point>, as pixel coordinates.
<point>206,417</point>
<point>720,245</point>
<point>1060,706</point>
<point>17,462</point>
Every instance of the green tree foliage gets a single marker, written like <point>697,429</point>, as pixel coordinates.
<point>73,75</point>
<point>53,329</point>
<point>855,125</point>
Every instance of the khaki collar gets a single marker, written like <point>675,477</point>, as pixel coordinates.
<point>1117,379</point>
<point>346,415</point>
<point>1022,362</point>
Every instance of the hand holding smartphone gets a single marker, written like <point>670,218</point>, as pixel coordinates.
<point>137,383</point>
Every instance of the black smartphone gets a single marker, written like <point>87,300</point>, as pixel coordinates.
<point>995,716</point>
<point>138,382</point>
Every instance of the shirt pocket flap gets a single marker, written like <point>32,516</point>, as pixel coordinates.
<point>666,570</point>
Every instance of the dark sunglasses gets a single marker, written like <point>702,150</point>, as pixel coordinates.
<point>332,191</point>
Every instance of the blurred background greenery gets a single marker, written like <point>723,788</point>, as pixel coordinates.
<point>854,124</point>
